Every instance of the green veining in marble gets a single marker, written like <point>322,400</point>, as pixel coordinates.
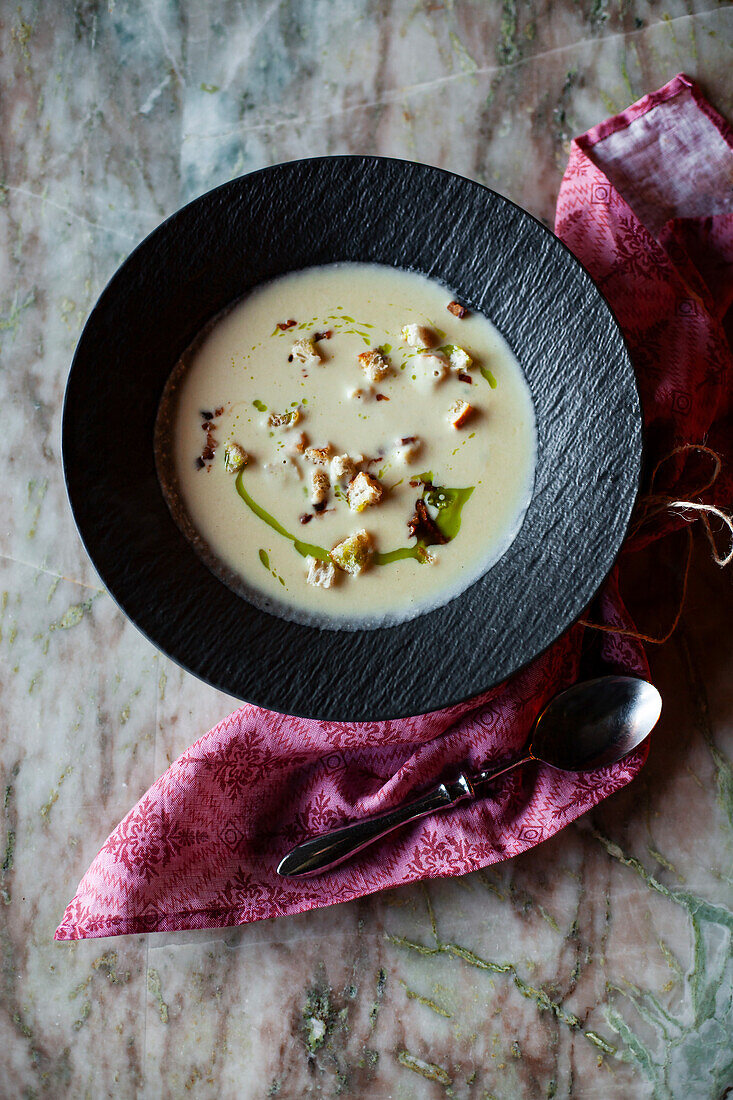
<point>467,63</point>
<point>53,796</point>
<point>105,965</point>
<point>11,321</point>
<point>540,997</point>
<point>74,614</point>
<point>698,1043</point>
<point>36,492</point>
<point>155,989</point>
<point>429,1070</point>
<point>318,1017</point>
<point>10,822</point>
<point>381,983</point>
<point>508,50</point>
<point>426,1001</point>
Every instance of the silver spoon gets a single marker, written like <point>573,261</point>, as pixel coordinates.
<point>592,724</point>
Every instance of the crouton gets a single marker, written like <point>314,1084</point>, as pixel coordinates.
<point>353,553</point>
<point>300,445</point>
<point>459,358</point>
<point>374,364</point>
<point>408,448</point>
<point>342,467</point>
<point>321,574</point>
<point>418,336</point>
<point>456,309</point>
<point>363,490</point>
<point>319,456</point>
<point>235,458</point>
<point>459,413</point>
<point>320,485</point>
<point>304,352</point>
<point>286,420</point>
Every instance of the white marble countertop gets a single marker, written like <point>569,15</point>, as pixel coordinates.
<point>114,115</point>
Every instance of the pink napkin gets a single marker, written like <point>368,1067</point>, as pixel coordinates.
<point>646,204</point>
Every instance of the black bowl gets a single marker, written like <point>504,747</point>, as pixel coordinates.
<point>498,260</point>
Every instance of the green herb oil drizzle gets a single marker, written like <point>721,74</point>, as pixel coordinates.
<point>305,548</point>
<point>449,503</point>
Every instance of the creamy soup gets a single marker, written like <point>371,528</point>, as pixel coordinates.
<point>348,446</point>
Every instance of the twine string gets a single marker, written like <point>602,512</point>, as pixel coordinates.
<point>653,504</point>
<point>704,511</point>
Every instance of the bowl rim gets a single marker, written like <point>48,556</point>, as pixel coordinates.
<point>451,699</point>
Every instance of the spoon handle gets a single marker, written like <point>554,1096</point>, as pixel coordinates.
<point>320,853</point>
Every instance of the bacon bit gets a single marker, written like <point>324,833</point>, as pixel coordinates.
<point>211,443</point>
<point>285,325</point>
<point>408,439</point>
<point>465,378</point>
<point>422,527</point>
<point>219,411</point>
<point>457,309</point>
<point>306,517</point>
<point>320,507</point>
<point>414,484</point>
<point>323,335</point>
<point>382,397</point>
<point>290,359</point>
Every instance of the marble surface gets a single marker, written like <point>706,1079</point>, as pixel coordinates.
<point>598,966</point>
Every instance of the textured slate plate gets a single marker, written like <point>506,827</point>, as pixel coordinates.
<point>497,259</point>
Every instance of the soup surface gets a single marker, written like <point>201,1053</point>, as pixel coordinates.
<point>347,446</point>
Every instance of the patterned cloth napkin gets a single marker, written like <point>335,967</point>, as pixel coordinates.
<point>647,205</point>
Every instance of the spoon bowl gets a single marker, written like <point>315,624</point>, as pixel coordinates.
<point>595,723</point>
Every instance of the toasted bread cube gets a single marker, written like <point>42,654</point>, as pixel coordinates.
<point>418,336</point>
<point>460,360</point>
<point>407,449</point>
<point>363,490</point>
<point>353,553</point>
<point>342,467</point>
<point>300,444</point>
<point>374,365</point>
<point>320,485</point>
<point>459,413</point>
<point>319,456</point>
<point>235,458</point>
<point>305,352</point>
<point>321,574</point>
<point>286,420</point>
